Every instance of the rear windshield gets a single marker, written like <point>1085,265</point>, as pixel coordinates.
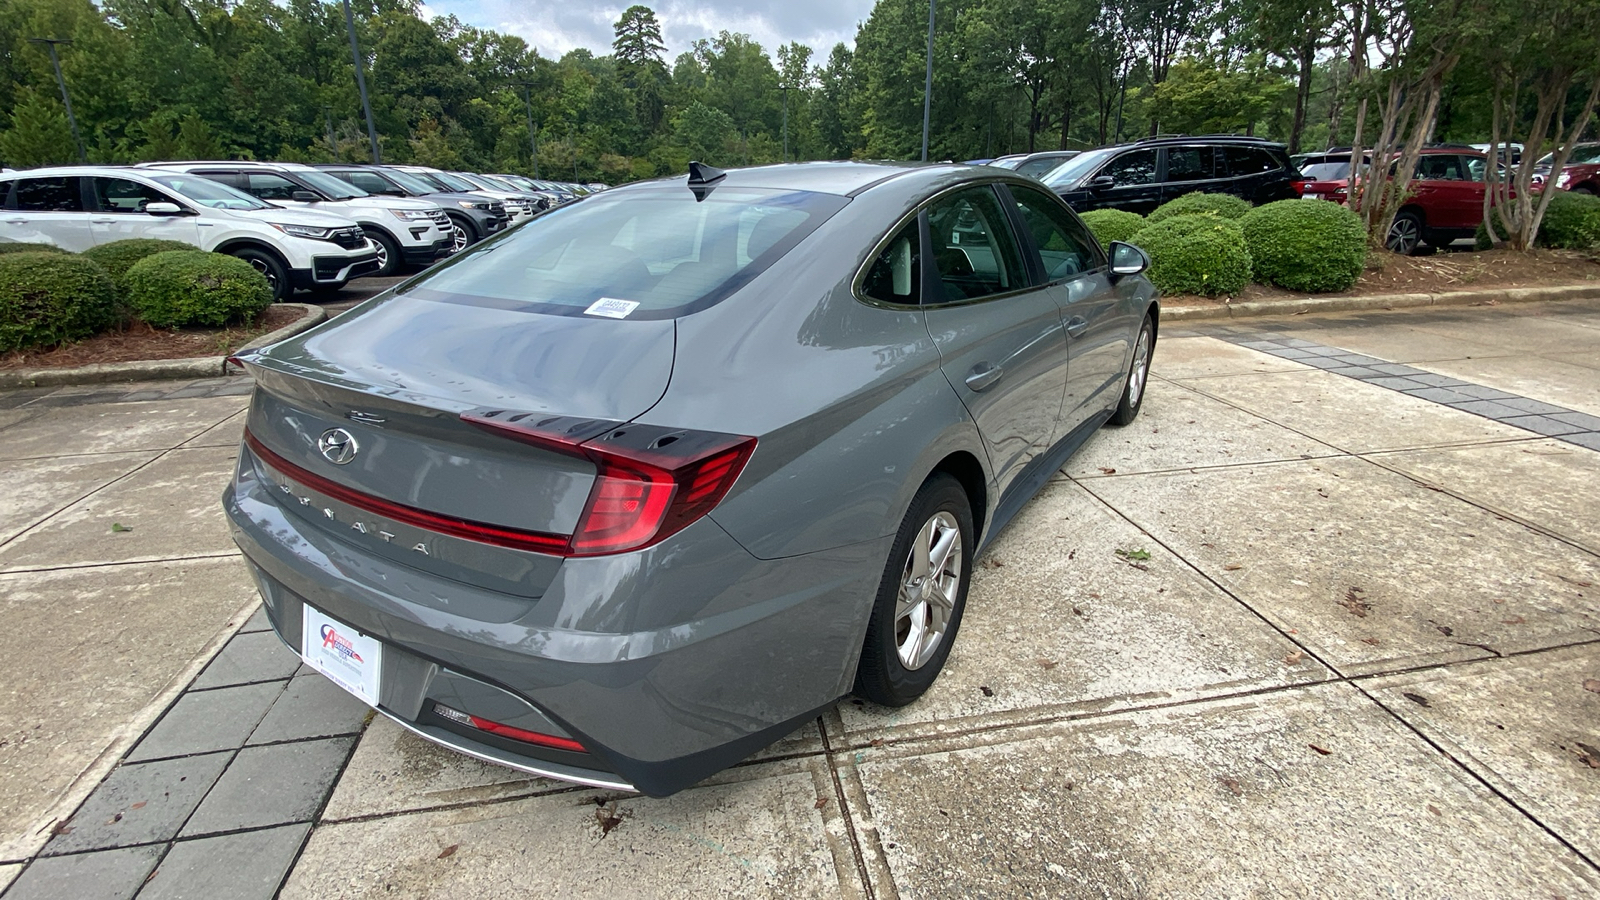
<point>1326,171</point>
<point>648,254</point>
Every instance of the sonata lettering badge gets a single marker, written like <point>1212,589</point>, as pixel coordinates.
<point>354,661</point>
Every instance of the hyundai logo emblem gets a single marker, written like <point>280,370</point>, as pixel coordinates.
<point>338,446</point>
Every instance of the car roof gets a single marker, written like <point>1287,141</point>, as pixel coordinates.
<point>843,178</point>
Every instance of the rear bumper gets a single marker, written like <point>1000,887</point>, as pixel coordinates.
<point>666,665</point>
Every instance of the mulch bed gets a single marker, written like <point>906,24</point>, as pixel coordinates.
<point>141,342</point>
<point>1388,273</point>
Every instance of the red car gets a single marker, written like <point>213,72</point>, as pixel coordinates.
<point>1581,174</point>
<point>1445,205</point>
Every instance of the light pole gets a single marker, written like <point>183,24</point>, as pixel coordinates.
<point>333,144</point>
<point>361,81</point>
<point>927,85</point>
<point>785,89</point>
<point>50,44</point>
<point>527,104</point>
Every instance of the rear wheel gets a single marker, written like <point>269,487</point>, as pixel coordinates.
<point>271,268</point>
<point>920,600</point>
<point>1583,189</point>
<point>1138,376</point>
<point>388,252</point>
<point>1405,233</point>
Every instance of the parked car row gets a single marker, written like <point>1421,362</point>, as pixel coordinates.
<point>303,227</point>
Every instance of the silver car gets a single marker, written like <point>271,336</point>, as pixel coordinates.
<point>624,495</point>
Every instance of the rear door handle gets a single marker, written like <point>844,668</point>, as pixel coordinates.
<point>984,376</point>
<point>104,221</point>
<point>1077,325</point>
<point>16,221</point>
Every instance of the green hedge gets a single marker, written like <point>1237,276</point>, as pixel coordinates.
<point>1203,255</point>
<point>118,257</point>
<point>1305,245</point>
<point>1226,206</point>
<point>193,287</point>
<point>49,298</point>
<point>1112,224</point>
<point>1571,223</point>
<point>25,247</point>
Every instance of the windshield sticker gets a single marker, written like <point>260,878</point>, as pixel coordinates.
<point>611,308</point>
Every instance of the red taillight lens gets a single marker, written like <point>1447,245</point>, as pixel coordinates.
<point>507,731</point>
<point>650,482</point>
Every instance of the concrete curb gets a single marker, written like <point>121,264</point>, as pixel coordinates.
<point>155,369</point>
<point>1302,305</point>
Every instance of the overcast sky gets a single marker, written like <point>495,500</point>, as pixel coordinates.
<point>553,28</point>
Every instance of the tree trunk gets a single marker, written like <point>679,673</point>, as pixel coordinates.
<point>1302,95</point>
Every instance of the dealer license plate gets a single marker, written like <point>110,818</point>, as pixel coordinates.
<point>353,660</point>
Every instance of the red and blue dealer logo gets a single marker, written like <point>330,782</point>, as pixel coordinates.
<point>339,644</point>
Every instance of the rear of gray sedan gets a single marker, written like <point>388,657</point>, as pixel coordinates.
<point>609,497</point>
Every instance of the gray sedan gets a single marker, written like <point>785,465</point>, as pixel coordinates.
<point>626,494</point>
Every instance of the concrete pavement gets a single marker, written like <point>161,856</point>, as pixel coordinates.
<point>1362,658</point>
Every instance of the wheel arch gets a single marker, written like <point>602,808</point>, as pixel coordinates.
<point>233,244</point>
<point>966,469</point>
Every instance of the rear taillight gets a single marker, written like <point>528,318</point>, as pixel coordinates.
<point>650,482</point>
<point>506,731</point>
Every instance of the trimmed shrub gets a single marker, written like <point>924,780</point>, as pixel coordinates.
<point>192,287</point>
<point>1112,224</point>
<point>118,257</point>
<point>1203,255</point>
<point>1572,222</point>
<point>49,298</point>
<point>1226,206</point>
<point>1305,245</point>
<point>25,247</point>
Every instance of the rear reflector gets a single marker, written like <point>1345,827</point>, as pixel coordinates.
<point>507,731</point>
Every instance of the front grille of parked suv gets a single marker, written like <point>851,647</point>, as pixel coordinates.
<point>349,238</point>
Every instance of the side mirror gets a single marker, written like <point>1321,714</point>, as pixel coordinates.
<point>163,209</point>
<point>1101,182</point>
<point>304,197</point>
<point>1126,259</point>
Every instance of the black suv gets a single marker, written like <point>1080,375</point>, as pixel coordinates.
<point>1140,176</point>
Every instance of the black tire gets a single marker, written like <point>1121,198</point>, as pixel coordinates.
<point>463,234</point>
<point>1406,234</point>
<point>1583,189</point>
<point>268,264</point>
<point>389,258</point>
<point>882,676</point>
<point>1134,388</point>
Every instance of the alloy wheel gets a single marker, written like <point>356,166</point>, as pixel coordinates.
<point>928,587</point>
<point>260,265</point>
<point>383,256</point>
<point>458,238</point>
<point>1404,235</point>
<point>1141,368</point>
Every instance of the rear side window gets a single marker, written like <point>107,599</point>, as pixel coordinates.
<point>896,275</point>
<point>1440,167</point>
<point>653,254</point>
<point>1065,247</point>
<point>1035,168</point>
<point>367,181</point>
<point>60,194</point>
<point>1133,168</point>
<point>268,186</point>
<point>1248,160</point>
<point>1190,163</point>
<point>973,249</point>
<point>119,195</point>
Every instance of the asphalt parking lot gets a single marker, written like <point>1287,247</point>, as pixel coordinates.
<point>1324,621</point>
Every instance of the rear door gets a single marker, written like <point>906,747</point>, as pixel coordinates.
<point>1189,169</point>
<point>1431,188</point>
<point>999,334</point>
<point>120,213</point>
<point>49,210</point>
<point>1073,268</point>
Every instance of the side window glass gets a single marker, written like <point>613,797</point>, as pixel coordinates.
<point>1189,163</point>
<point>973,250</point>
<point>1248,161</point>
<point>1477,167</point>
<point>367,181</point>
<point>1065,247</point>
<point>1136,167</point>
<point>268,186</point>
<point>49,194</point>
<point>119,195</point>
<point>896,275</point>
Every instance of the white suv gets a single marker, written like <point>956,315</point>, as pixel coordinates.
<point>408,232</point>
<point>521,208</point>
<point>77,207</point>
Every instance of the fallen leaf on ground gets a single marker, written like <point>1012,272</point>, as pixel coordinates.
<point>1231,784</point>
<point>118,527</point>
<point>1047,664</point>
<point>1514,620</point>
<point>1294,658</point>
<point>986,691</point>
<point>1106,471</point>
<point>139,805</point>
<point>1418,699</point>
<point>1592,684</point>
<point>821,802</point>
<point>608,818</point>
<point>1588,755</point>
<point>1232,567</point>
<point>448,852</point>
<point>1446,630</point>
<point>1576,581</point>
<point>1434,809</point>
<point>1355,601</point>
<point>1322,750</point>
<point>1373,641</point>
<point>1139,555</point>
